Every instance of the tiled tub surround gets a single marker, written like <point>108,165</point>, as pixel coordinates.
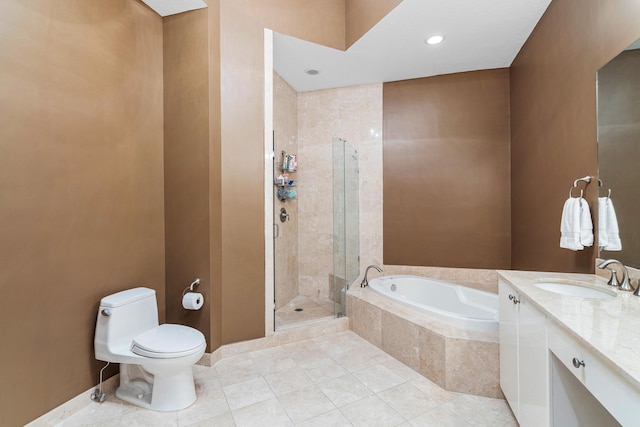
<point>456,359</point>
<point>607,327</point>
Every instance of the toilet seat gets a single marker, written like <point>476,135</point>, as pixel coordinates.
<point>168,341</point>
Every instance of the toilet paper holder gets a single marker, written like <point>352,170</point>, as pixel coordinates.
<point>191,287</point>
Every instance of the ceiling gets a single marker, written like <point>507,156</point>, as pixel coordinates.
<point>171,7</point>
<point>479,35</point>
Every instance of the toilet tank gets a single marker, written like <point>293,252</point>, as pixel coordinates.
<point>122,316</point>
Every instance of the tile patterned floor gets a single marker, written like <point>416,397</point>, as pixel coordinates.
<point>313,310</point>
<point>310,383</point>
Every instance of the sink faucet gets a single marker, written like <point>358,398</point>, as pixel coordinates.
<point>365,282</point>
<point>613,281</point>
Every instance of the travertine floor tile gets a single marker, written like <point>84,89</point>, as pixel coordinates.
<point>378,378</point>
<point>333,380</point>
<point>313,309</point>
<point>288,381</point>
<point>333,418</point>
<point>247,393</point>
<point>371,412</point>
<point>305,404</point>
<point>344,390</point>
<point>267,413</point>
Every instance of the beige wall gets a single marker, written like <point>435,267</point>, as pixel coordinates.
<point>236,150</point>
<point>233,179</point>
<point>553,122</point>
<point>446,171</point>
<point>285,124</point>
<point>242,255</point>
<point>186,160</point>
<point>82,89</point>
<point>81,193</point>
<point>355,114</point>
<point>362,15</point>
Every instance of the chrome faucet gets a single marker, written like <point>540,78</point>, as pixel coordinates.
<point>365,282</point>
<point>613,281</point>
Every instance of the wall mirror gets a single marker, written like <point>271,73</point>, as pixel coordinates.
<point>618,98</point>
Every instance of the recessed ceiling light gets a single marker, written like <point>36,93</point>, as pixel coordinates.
<point>435,39</point>
<point>312,71</point>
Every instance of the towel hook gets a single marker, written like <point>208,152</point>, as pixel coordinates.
<point>571,190</point>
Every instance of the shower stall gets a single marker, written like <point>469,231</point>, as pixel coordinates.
<point>313,199</point>
<point>316,232</point>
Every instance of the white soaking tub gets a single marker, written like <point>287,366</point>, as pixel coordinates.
<point>456,304</point>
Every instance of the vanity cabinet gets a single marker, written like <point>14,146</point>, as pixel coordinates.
<point>524,358</point>
<point>586,391</point>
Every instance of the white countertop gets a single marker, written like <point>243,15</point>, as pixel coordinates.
<point>610,327</point>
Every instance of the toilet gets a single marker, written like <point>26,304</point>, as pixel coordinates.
<point>155,360</point>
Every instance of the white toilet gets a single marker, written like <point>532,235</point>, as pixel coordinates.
<point>155,360</point>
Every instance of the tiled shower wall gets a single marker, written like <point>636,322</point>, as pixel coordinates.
<point>355,114</point>
<point>285,124</point>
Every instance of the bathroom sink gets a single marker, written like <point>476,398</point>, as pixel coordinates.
<point>575,290</point>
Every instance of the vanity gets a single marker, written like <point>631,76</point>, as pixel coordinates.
<point>569,350</point>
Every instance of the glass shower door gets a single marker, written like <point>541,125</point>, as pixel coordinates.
<point>346,228</point>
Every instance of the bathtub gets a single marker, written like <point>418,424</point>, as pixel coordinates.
<point>457,305</point>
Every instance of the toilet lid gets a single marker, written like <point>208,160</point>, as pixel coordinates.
<point>166,341</point>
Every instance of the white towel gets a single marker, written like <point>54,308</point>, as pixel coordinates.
<point>603,237</point>
<point>576,227</point>
<point>586,224</point>
<point>608,232</point>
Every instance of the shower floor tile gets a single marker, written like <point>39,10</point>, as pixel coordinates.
<point>310,389</point>
<point>312,310</point>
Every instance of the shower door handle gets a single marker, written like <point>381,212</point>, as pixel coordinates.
<point>276,231</point>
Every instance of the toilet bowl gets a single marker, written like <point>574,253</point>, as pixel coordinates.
<point>155,360</point>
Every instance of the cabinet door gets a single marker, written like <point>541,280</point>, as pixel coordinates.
<point>533,366</point>
<point>508,312</point>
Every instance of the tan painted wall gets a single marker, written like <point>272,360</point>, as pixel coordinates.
<point>215,178</point>
<point>82,89</point>
<point>446,171</point>
<point>553,122</point>
<point>242,24</point>
<point>362,15</point>
<point>81,194</point>
<point>232,181</point>
<point>186,160</point>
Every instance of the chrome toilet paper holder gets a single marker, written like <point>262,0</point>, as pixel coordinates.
<point>191,287</point>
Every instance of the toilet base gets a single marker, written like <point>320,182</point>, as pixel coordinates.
<point>156,392</point>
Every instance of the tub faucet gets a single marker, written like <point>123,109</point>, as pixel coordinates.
<point>613,281</point>
<point>365,282</point>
